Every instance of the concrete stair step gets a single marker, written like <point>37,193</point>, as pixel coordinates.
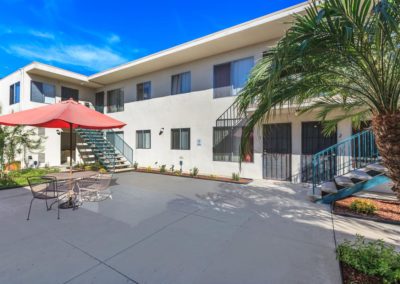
<point>344,181</point>
<point>328,187</point>
<point>358,174</point>
<point>377,167</point>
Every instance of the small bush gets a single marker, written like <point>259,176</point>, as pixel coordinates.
<point>149,169</point>
<point>135,165</point>
<point>102,171</point>
<point>371,258</point>
<point>177,173</point>
<point>235,176</point>
<point>363,207</point>
<point>213,176</point>
<point>163,168</point>
<point>194,172</point>
<point>87,168</point>
<point>172,168</point>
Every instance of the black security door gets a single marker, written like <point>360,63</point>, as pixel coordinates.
<point>313,141</point>
<point>277,154</point>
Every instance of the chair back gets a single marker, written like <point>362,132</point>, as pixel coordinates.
<point>39,185</point>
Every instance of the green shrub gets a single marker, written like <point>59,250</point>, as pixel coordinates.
<point>363,207</point>
<point>88,168</point>
<point>194,172</point>
<point>149,169</point>
<point>163,168</point>
<point>213,176</point>
<point>372,258</point>
<point>102,171</point>
<point>135,165</point>
<point>235,176</point>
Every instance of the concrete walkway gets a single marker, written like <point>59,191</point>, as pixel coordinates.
<point>159,229</point>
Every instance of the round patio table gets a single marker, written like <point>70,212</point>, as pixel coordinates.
<point>74,177</point>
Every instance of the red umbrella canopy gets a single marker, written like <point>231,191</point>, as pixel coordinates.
<point>64,114</point>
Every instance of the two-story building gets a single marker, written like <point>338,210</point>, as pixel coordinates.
<point>178,106</point>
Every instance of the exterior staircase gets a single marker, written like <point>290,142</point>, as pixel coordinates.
<point>346,168</point>
<point>95,146</point>
<point>231,118</point>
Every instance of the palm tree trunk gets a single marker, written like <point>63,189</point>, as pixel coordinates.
<point>387,134</point>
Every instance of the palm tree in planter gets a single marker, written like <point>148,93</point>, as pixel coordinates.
<point>339,55</point>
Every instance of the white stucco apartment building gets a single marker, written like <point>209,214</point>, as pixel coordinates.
<point>177,105</point>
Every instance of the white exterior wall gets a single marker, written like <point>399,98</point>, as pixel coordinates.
<point>197,110</point>
<point>52,143</point>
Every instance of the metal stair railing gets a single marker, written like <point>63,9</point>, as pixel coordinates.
<point>103,152</point>
<point>231,117</point>
<point>118,143</point>
<point>352,153</point>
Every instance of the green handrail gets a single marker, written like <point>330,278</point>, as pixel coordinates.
<point>352,153</point>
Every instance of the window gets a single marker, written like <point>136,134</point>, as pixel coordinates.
<point>230,78</point>
<point>15,93</point>
<point>68,93</point>
<point>180,139</point>
<point>115,100</point>
<point>181,83</point>
<point>143,139</point>
<point>99,102</point>
<point>227,145</point>
<point>43,93</point>
<point>143,91</point>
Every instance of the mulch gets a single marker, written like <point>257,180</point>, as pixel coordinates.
<point>353,276</point>
<point>203,177</point>
<point>387,211</point>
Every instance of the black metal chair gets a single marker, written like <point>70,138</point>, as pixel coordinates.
<point>44,188</point>
<point>95,189</point>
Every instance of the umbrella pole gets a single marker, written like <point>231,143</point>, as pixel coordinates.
<point>70,165</point>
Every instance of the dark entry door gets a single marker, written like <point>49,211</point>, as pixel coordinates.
<point>68,93</point>
<point>277,154</point>
<point>313,141</point>
<point>99,102</point>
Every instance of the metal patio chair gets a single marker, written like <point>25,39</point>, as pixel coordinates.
<point>44,188</point>
<point>95,189</point>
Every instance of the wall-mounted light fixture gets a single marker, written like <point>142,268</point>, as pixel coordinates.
<point>58,132</point>
<point>161,131</point>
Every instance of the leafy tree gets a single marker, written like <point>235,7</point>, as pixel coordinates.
<point>17,140</point>
<point>340,55</point>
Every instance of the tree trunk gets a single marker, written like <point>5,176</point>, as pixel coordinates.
<point>387,134</point>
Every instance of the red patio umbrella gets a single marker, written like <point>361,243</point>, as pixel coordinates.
<point>65,114</point>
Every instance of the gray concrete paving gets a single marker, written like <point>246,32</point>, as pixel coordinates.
<point>162,229</point>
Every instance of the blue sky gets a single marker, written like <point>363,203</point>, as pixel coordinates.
<point>87,36</point>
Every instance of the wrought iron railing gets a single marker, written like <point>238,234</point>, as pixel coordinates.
<point>352,153</point>
<point>120,144</point>
<point>101,148</point>
<point>231,117</point>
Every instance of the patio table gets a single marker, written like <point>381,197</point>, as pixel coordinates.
<point>73,177</point>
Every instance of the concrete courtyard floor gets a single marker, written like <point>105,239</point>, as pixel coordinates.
<point>163,229</point>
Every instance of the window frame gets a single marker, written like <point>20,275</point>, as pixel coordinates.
<point>13,93</point>
<point>179,90</point>
<point>143,98</point>
<point>180,139</point>
<point>231,79</point>
<point>43,93</point>
<point>142,133</point>
<point>119,108</point>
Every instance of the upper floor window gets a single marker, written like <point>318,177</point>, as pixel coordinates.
<point>230,78</point>
<point>143,139</point>
<point>69,93</point>
<point>180,139</point>
<point>115,100</point>
<point>143,91</point>
<point>43,93</point>
<point>15,93</point>
<point>99,102</point>
<point>181,83</point>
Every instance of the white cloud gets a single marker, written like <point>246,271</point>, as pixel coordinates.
<point>40,34</point>
<point>113,38</point>
<point>88,56</point>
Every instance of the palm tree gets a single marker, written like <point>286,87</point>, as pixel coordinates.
<point>338,55</point>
